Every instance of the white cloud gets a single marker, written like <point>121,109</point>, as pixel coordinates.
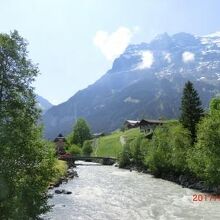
<point>188,57</point>
<point>147,59</point>
<point>167,57</point>
<point>113,44</point>
<point>202,78</point>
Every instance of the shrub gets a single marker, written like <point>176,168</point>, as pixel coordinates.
<point>134,152</point>
<point>214,106</point>
<point>87,148</point>
<point>125,156</point>
<point>167,152</point>
<point>180,143</point>
<point>138,151</point>
<point>60,170</point>
<point>74,149</point>
<point>204,159</point>
<point>158,157</point>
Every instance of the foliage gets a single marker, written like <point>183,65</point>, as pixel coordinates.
<point>60,168</point>
<point>81,132</point>
<point>87,148</point>
<point>138,151</point>
<point>74,149</point>
<point>167,152</point>
<point>26,161</point>
<point>180,143</point>
<point>214,105</point>
<point>125,156</point>
<point>158,158</point>
<point>134,152</point>
<point>204,159</point>
<point>191,110</point>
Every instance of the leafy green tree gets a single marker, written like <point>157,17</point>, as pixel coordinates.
<point>167,152</point>
<point>204,159</point>
<point>159,152</point>
<point>87,148</point>
<point>81,132</point>
<point>191,110</point>
<point>180,143</point>
<point>26,161</point>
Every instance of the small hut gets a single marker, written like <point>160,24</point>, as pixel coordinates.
<point>60,142</point>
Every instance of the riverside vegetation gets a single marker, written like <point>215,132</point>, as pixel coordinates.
<point>185,151</point>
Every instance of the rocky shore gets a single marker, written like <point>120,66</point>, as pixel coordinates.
<point>71,173</point>
<point>191,183</point>
<point>186,181</point>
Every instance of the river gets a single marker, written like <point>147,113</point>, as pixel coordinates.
<point>110,193</point>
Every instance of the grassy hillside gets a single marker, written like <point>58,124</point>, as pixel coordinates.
<point>111,145</point>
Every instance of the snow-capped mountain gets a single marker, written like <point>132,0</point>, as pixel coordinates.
<point>145,81</point>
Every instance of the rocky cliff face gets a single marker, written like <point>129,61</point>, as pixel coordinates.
<point>145,81</point>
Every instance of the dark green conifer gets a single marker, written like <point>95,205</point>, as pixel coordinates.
<point>191,109</point>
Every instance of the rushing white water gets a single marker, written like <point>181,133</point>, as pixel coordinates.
<point>107,193</point>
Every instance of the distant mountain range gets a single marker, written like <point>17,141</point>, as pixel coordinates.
<point>43,104</point>
<point>146,81</point>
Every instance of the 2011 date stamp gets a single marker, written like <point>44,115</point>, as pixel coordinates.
<point>205,198</point>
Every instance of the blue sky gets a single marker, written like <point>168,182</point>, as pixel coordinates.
<point>75,41</point>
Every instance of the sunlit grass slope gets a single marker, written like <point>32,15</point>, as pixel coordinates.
<point>110,145</point>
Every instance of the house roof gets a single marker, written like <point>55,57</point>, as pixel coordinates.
<point>59,137</point>
<point>132,121</point>
<point>98,134</point>
<point>151,121</point>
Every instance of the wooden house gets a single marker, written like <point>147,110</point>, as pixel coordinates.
<point>148,125</point>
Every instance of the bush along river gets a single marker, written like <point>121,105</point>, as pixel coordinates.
<point>108,193</point>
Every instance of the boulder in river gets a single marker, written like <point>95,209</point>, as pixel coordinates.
<point>62,191</point>
<point>58,191</point>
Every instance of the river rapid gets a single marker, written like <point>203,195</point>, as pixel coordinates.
<point>110,193</point>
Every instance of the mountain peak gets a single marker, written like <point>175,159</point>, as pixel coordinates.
<point>162,41</point>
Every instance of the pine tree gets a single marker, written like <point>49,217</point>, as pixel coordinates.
<point>191,109</point>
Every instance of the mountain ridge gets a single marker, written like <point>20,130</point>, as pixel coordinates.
<point>145,81</point>
<point>43,104</point>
